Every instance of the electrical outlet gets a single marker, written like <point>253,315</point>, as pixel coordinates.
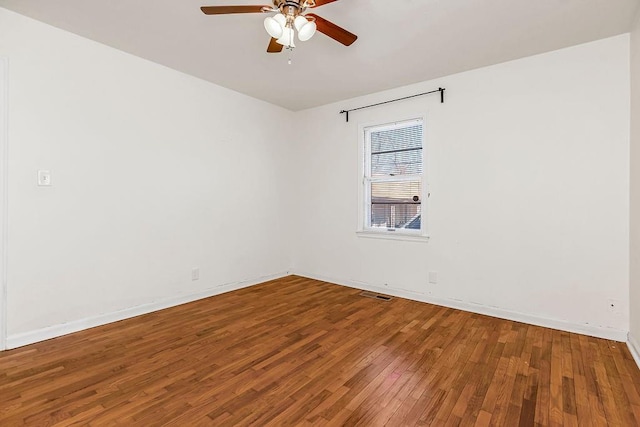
<point>195,273</point>
<point>433,277</point>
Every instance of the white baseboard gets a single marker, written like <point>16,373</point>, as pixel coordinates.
<point>634,348</point>
<point>19,340</point>
<point>563,325</point>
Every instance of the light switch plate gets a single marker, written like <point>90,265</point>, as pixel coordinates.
<point>44,178</point>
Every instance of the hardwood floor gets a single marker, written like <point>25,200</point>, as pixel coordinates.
<point>296,351</point>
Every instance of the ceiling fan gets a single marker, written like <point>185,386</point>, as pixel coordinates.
<point>290,15</point>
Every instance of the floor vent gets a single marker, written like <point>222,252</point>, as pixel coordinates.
<point>375,296</point>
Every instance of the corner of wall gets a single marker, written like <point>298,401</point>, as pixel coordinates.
<point>4,68</point>
<point>634,190</point>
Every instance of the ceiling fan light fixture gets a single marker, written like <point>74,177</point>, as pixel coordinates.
<point>287,38</point>
<point>280,19</point>
<point>299,22</point>
<point>307,31</point>
<point>273,27</point>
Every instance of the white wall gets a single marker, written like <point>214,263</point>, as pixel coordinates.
<point>529,176</point>
<point>154,172</point>
<point>634,333</point>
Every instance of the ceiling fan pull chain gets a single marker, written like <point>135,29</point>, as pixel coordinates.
<point>290,49</point>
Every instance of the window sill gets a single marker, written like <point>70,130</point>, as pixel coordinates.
<point>389,235</point>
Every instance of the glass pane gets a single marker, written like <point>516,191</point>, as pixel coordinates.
<point>396,204</point>
<point>397,151</point>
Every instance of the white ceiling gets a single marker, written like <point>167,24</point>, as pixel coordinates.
<point>400,41</point>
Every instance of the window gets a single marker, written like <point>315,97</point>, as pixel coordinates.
<point>393,180</point>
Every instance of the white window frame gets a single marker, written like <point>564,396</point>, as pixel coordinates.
<point>364,185</point>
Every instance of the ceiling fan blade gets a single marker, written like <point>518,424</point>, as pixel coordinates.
<point>274,47</point>
<point>322,2</point>
<point>223,10</point>
<point>332,30</point>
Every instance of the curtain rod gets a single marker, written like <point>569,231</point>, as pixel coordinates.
<point>440,89</point>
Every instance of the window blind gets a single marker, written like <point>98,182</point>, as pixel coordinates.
<point>397,152</point>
